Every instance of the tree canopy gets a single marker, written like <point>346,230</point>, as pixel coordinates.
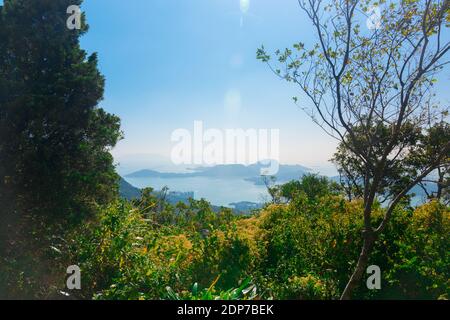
<point>55,139</point>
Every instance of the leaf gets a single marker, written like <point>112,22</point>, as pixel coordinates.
<point>195,289</point>
<point>171,294</point>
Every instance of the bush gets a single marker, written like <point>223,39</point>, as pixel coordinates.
<point>300,250</point>
<point>125,255</point>
<point>308,287</point>
<point>300,239</point>
<point>418,261</point>
<point>309,251</point>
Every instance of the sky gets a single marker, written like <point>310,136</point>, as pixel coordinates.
<point>169,63</point>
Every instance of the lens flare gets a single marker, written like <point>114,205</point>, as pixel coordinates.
<point>245,6</point>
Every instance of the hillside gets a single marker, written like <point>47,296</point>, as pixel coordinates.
<point>127,191</point>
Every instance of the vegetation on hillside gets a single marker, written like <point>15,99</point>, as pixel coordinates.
<point>303,248</point>
<point>59,204</point>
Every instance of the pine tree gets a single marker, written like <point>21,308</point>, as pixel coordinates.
<point>54,139</point>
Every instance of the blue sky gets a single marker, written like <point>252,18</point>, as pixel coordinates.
<point>168,63</point>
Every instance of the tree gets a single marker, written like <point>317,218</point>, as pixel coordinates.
<point>312,185</point>
<point>371,89</point>
<point>421,147</point>
<point>437,136</point>
<point>55,140</point>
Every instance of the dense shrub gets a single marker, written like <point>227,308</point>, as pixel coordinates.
<point>309,251</point>
<point>299,240</point>
<point>303,249</point>
<point>126,255</point>
<point>417,254</point>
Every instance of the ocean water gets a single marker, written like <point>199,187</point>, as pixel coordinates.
<point>220,192</point>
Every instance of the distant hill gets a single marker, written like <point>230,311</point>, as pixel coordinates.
<point>130,192</point>
<point>146,173</point>
<point>127,191</point>
<point>249,173</point>
<point>245,207</point>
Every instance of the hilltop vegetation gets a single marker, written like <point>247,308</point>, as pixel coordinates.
<point>303,249</point>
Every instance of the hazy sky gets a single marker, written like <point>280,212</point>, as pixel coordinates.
<point>168,63</point>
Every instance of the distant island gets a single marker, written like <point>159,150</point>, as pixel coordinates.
<point>248,173</point>
<point>129,192</point>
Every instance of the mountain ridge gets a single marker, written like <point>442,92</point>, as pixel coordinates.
<point>250,173</point>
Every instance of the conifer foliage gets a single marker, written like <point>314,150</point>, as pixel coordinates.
<point>55,140</point>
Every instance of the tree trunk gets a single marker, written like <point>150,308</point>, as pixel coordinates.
<point>440,184</point>
<point>363,259</point>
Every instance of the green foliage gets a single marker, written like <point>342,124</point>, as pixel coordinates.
<point>302,239</point>
<point>372,90</point>
<point>50,122</point>
<point>222,254</point>
<point>246,291</point>
<point>55,160</point>
<point>131,253</point>
<point>304,249</point>
<point>418,260</point>
<point>308,287</point>
<point>125,256</point>
<point>309,251</point>
<point>422,147</point>
<point>55,166</point>
<point>313,186</point>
